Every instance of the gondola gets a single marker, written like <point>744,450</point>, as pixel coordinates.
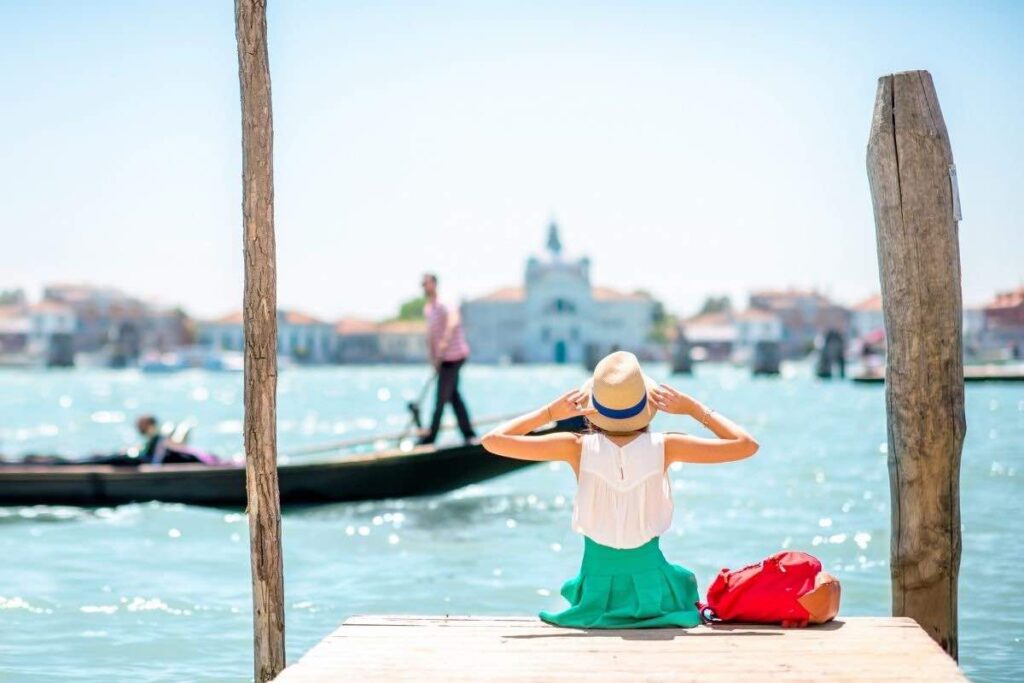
<point>392,473</point>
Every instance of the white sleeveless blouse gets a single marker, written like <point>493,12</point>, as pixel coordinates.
<point>624,498</point>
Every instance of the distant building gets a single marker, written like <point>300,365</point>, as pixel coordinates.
<point>867,325</point>
<point>51,335</point>
<point>14,330</point>
<point>402,341</point>
<point>754,326</point>
<point>804,315</point>
<point>356,341</point>
<point>36,334</point>
<point>866,317</point>
<point>711,336</point>
<point>300,337</point>
<point>1004,322</point>
<point>105,317</point>
<point>392,341</point>
<point>116,328</point>
<point>973,329</point>
<point>557,315</point>
<point>725,335</point>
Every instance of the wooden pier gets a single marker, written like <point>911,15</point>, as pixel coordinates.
<point>419,648</point>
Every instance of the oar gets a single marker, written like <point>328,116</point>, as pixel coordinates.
<point>414,406</point>
<point>367,440</point>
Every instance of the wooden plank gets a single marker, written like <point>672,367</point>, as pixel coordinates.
<point>498,648</point>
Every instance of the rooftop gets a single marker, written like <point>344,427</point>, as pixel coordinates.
<point>872,303</point>
<point>755,314</point>
<point>505,294</point>
<point>417,327</point>
<point>299,318</point>
<point>46,306</point>
<point>717,318</point>
<point>347,326</point>
<point>710,327</point>
<point>284,315</point>
<point>12,311</point>
<point>788,297</point>
<point>514,294</point>
<point>609,294</point>
<point>1010,299</point>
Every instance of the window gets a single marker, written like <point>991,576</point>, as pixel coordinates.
<point>561,306</point>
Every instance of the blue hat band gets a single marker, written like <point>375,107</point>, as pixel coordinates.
<point>624,413</point>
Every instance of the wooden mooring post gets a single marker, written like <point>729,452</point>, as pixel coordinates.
<point>260,328</point>
<point>916,205</point>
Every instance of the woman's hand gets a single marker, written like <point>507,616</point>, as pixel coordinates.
<point>570,404</point>
<point>671,400</point>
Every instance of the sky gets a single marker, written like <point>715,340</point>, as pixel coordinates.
<point>688,148</point>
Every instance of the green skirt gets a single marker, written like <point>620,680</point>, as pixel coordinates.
<point>634,588</point>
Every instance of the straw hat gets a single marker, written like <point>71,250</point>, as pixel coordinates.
<point>618,393</point>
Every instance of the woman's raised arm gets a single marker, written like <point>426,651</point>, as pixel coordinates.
<point>733,442</point>
<point>510,439</point>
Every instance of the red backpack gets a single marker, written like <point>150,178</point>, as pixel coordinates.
<point>787,588</point>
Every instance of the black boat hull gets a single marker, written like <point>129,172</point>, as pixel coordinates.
<point>389,474</point>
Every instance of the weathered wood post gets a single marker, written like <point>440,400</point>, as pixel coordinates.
<point>913,187</point>
<point>260,325</point>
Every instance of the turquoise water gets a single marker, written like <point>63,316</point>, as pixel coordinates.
<point>155,592</point>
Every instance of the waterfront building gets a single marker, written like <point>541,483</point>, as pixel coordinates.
<point>51,333</point>
<point>300,337</point>
<point>14,331</point>
<point>36,334</point>
<point>557,315</point>
<point>727,335</point>
<point>402,341</point>
<point>1004,323</point>
<point>755,326</point>
<point>104,316</point>
<point>805,316</point>
<point>356,341</point>
<point>113,328</point>
<point>711,336</point>
<point>866,319</point>
<point>867,325</point>
<point>973,330</point>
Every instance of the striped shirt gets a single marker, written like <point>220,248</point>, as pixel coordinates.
<point>437,322</point>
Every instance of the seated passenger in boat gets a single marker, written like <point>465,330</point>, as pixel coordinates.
<point>159,449</point>
<point>154,449</point>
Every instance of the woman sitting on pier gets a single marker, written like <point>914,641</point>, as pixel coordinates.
<point>624,497</point>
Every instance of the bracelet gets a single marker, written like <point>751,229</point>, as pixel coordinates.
<point>706,415</point>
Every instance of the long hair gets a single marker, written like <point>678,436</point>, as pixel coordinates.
<point>594,429</point>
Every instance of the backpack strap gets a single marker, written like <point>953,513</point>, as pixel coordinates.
<point>707,615</point>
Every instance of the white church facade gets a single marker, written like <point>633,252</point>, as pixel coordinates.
<point>557,315</point>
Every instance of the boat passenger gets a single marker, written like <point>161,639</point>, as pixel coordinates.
<point>155,447</point>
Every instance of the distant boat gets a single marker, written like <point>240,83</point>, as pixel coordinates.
<point>383,474</point>
<point>972,373</point>
<point>162,363</point>
<point>225,361</point>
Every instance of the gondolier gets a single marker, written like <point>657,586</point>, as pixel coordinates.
<point>448,349</point>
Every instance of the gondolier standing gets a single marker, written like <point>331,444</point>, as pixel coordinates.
<point>446,343</point>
